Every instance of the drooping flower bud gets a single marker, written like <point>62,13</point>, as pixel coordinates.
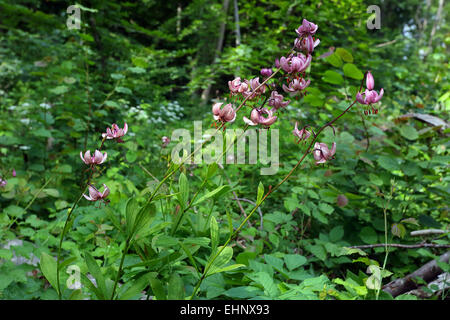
<point>342,200</point>
<point>370,82</point>
<point>266,72</point>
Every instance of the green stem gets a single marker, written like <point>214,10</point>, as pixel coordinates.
<point>125,250</point>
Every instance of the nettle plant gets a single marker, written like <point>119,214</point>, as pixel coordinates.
<point>152,234</point>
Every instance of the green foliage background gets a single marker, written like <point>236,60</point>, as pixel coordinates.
<point>147,63</point>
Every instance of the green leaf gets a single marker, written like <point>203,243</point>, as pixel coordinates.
<point>326,208</point>
<point>110,103</point>
<point>352,71</point>
<point>214,228</point>
<point>368,235</point>
<point>137,70</point>
<point>212,168</point>
<point>409,132</point>
<point>131,211</point>
<point>136,288</point>
<point>220,262</point>
<point>59,90</point>
<point>332,77</point>
<point>319,251</point>
<point>123,90</point>
<point>293,261</point>
<point>229,268</point>
<point>397,229</point>
<point>344,54</point>
<point>96,272</point>
<point>348,251</point>
<point>388,163</point>
<point>215,193</point>
<point>175,288</point>
<point>336,233</point>
<point>260,193</point>
<point>411,221</point>
<point>137,218</point>
<point>183,186</point>
<point>139,62</point>
<point>48,268</point>
<point>157,288</point>
<point>88,283</point>
<point>189,255</point>
<point>335,60</point>
<point>266,281</point>
<point>374,281</point>
<point>428,221</point>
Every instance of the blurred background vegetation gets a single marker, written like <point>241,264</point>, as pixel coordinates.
<point>158,65</point>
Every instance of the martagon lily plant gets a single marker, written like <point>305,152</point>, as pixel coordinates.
<point>263,111</point>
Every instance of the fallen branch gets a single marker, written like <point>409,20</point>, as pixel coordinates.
<point>427,272</point>
<point>405,246</point>
<point>427,231</point>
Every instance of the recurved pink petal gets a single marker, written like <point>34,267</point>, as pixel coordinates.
<point>105,192</point>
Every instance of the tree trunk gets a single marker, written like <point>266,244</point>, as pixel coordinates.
<point>206,92</point>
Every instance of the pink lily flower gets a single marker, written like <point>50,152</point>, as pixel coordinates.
<point>115,132</point>
<point>254,83</point>
<point>165,141</point>
<point>95,195</point>
<point>306,28</point>
<point>301,134</point>
<point>322,153</point>
<point>296,85</point>
<point>14,172</point>
<point>295,64</point>
<point>369,96</point>
<point>225,114</point>
<point>306,44</point>
<point>3,183</point>
<point>97,158</point>
<point>234,85</point>
<point>257,117</point>
<point>276,100</point>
